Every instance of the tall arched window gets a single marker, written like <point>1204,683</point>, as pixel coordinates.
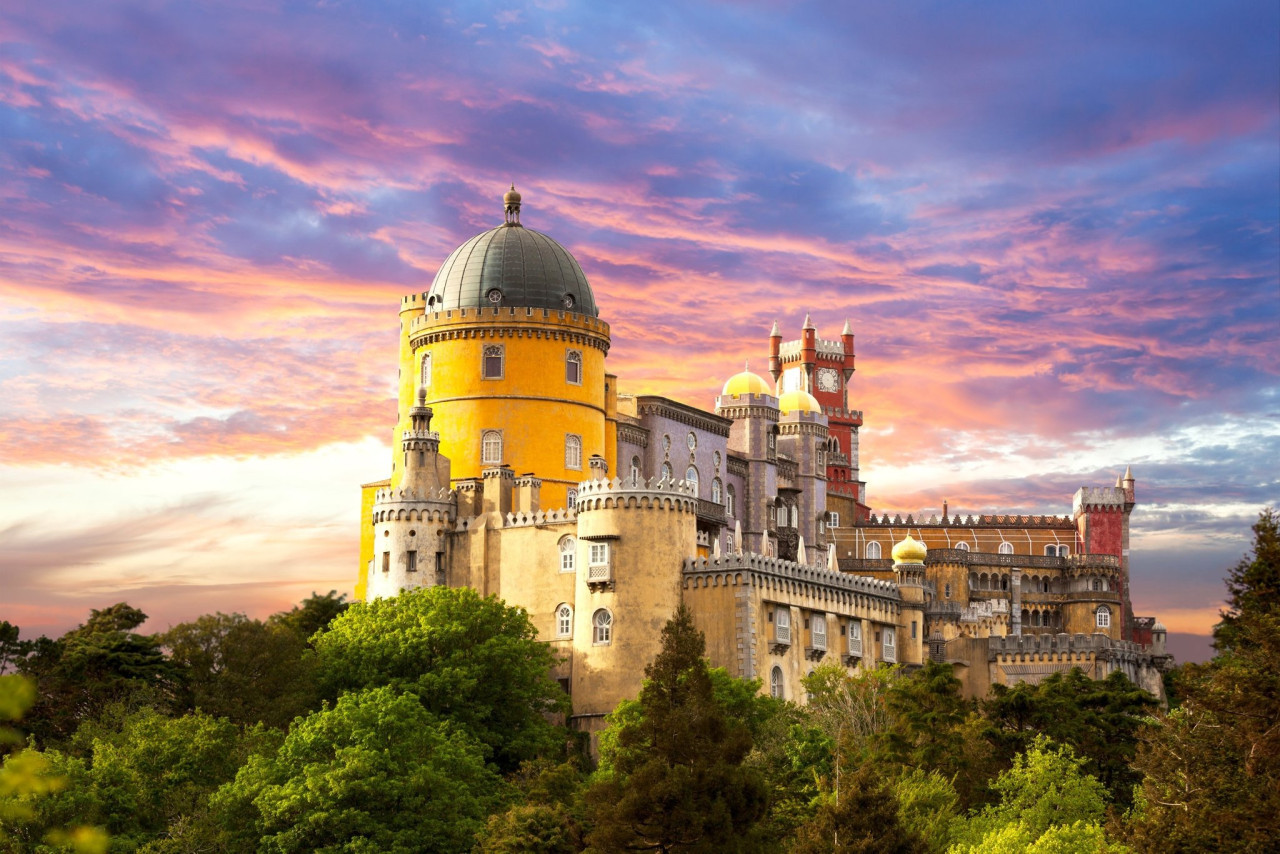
<point>667,474</point>
<point>564,621</point>
<point>491,367</point>
<point>1051,550</point>
<point>1064,551</point>
<point>691,477</point>
<point>425,378</point>
<point>776,688</point>
<point>573,367</point>
<point>635,469</point>
<point>795,517</point>
<point>728,500</point>
<point>573,452</point>
<point>1104,617</point>
<point>602,628</point>
<point>491,447</point>
<point>1006,548</point>
<point>568,554</point>
<point>873,551</point>
<point>717,491</point>
<point>782,515</point>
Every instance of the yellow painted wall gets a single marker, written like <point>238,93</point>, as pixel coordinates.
<point>367,532</point>
<point>533,404</point>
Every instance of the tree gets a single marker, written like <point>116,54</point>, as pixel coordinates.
<point>314,614</point>
<point>248,671</point>
<point>928,807</point>
<point>1212,767</point>
<point>546,819</point>
<point>1100,719</point>
<point>1046,788</point>
<point>12,650</point>
<point>98,663</point>
<point>376,772</point>
<point>28,779</point>
<point>467,659</point>
<point>1253,584</point>
<point>673,779</point>
<point>862,818</point>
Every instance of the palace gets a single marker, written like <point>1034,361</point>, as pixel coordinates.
<point>521,469</point>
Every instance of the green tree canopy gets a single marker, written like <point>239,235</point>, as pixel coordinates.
<point>376,772</point>
<point>860,818</point>
<point>674,778</point>
<point>468,659</point>
<point>248,671</point>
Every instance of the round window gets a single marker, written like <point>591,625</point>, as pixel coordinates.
<point>494,296</point>
<point>693,441</point>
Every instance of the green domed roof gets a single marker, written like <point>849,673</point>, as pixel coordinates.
<point>511,266</point>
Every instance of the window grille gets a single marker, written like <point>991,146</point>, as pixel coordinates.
<point>493,358</point>
<point>776,687</point>
<point>782,625</point>
<point>820,632</point>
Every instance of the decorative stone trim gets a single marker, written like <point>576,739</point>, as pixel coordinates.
<point>696,418</point>
<point>633,434</point>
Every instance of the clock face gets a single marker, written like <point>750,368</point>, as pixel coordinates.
<point>828,379</point>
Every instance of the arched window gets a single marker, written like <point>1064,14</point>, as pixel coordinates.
<point>426,370</point>
<point>873,551</point>
<point>1096,585</point>
<point>573,367</point>
<point>571,499</point>
<point>728,500</point>
<point>691,477</point>
<point>1035,618</point>
<point>962,546</point>
<point>782,515</point>
<point>666,472</point>
<point>1104,617</point>
<point>491,367</point>
<point>564,621</point>
<point>946,591</point>
<point>1051,550</point>
<point>795,517</point>
<point>1064,551</point>
<point>1006,548</point>
<point>573,452</point>
<point>491,447</point>
<point>568,554</point>
<point>776,687</point>
<point>635,469</point>
<point>819,630</point>
<point>602,628</point>
<point>717,491</point>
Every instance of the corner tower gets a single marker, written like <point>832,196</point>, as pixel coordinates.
<point>510,350</point>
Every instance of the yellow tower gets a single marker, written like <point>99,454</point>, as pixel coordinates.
<point>510,349</point>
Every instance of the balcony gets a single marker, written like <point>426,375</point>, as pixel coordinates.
<point>600,577</point>
<point>709,511</point>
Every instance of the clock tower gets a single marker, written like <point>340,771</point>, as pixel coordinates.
<point>823,368</point>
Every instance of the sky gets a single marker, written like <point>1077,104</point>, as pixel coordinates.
<point>1054,227</point>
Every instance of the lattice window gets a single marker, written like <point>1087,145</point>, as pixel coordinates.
<point>568,554</point>
<point>776,686</point>
<point>782,625</point>
<point>564,621</point>
<point>819,631</point>
<point>491,447</point>
<point>573,452</point>
<point>1104,617</point>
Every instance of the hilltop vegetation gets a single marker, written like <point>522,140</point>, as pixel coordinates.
<point>429,723</point>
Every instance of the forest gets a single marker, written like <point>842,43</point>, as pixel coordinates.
<point>429,723</point>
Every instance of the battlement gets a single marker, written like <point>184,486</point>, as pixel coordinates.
<point>790,351</point>
<point>517,320</point>
<point>419,436</point>
<point>788,570</point>
<point>542,517</point>
<point>637,492</point>
<point>1059,643</point>
<point>957,521</point>
<point>1098,498</point>
<point>383,496</point>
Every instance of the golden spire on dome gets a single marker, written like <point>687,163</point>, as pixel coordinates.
<point>511,205</point>
<point>909,550</point>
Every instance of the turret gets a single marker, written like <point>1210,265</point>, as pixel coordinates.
<point>775,353</point>
<point>846,339</point>
<point>808,352</point>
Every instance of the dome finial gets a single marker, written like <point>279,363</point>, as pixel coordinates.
<point>511,206</point>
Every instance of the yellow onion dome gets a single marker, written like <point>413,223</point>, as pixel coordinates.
<point>909,550</point>
<point>745,382</point>
<point>799,401</point>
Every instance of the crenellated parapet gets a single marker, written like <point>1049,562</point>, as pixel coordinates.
<point>414,505</point>
<point>540,519</point>
<point>509,322</point>
<point>790,571</point>
<point>637,493</point>
<point>1098,498</point>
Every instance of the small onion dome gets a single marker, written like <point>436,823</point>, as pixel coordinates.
<point>745,382</point>
<point>909,550</point>
<point>799,401</point>
<point>511,197</point>
<point>1158,626</point>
